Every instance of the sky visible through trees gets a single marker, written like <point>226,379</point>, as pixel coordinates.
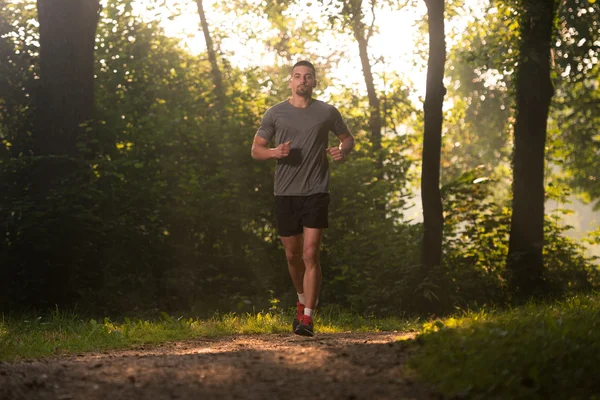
<point>394,43</point>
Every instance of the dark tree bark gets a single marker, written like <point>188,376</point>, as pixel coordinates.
<point>66,96</point>
<point>534,92</point>
<point>64,102</point>
<point>212,57</point>
<point>433,219</point>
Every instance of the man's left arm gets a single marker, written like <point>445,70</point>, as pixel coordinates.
<point>346,143</point>
<point>344,149</point>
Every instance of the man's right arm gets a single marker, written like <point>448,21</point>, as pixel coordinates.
<point>260,151</point>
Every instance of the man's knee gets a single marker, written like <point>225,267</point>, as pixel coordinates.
<point>293,256</point>
<point>311,256</point>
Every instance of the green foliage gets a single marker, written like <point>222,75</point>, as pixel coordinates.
<point>478,137</point>
<point>367,257</point>
<point>478,126</point>
<point>169,212</point>
<point>161,220</point>
<point>538,351</point>
<point>575,138</point>
<point>177,216</point>
<point>568,268</point>
<point>476,234</point>
<point>577,40</point>
<point>476,231</point>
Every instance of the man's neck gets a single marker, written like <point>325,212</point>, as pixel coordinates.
<point>300,101</point>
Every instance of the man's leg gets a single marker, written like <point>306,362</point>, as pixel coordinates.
<point>312,265</point>
<point>293,254</point>
<point>312,279</point>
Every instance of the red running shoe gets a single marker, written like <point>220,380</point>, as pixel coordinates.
<point>299,315</point>
<point>305,327</point>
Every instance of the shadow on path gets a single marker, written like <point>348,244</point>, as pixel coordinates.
<point>330,366</point>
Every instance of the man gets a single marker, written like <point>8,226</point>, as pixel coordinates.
<point>300,127</point>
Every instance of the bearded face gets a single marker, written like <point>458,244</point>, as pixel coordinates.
<point>303,81</point>
<point>303,90</point>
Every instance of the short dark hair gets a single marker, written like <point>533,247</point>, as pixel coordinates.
<point>304,63</point>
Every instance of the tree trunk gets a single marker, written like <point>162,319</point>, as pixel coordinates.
<point>374,107</point>
<point>433,219</point>
<point>534,92</point>
<point>212,57</point>
<point>66,96</point>
<point>354,10</point>
<point>238,233</point>
<point>64,101</point>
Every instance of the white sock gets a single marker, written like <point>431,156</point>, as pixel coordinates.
<point>309,311</point>
<point>301,298</point>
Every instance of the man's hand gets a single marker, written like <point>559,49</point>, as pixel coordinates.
<point>282,151</point>
<point>335,153</point>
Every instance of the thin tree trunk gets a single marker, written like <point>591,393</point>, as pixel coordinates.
<point>433,219</point>
<point>212,57</point>
<point>237,231</point>
<point>525,264</point>
<point>374,107</point>
<point>354,8</point>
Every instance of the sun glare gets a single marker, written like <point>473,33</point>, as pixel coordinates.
<point>391,50</point>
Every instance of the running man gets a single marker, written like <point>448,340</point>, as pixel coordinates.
<point>300,128</point>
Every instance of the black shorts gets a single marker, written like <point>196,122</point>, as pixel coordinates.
<point>292,213</point>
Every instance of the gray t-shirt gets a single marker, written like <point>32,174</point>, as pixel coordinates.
<point>305,170</point>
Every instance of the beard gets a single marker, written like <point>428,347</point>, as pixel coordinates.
<point>303,90</point>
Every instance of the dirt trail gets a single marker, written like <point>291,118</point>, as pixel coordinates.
<point>329,366</point>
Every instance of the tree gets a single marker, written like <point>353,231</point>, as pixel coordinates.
<point>66,94</point>
<point>433,219</point>
<point>64,103</point>
<point>352,10</point>
<point>352,18</point>
<point>534,93</point>
<point>212,57</point>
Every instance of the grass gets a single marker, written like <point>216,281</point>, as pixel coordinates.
<point>65,333</point>
<point>538,351</point>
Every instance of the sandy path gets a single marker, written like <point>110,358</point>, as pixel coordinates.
<point>330,366</point>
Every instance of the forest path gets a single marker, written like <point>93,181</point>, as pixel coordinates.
<point>328,366</point>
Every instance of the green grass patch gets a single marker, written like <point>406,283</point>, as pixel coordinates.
<point>65,333</point>
<point>538,351</point>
